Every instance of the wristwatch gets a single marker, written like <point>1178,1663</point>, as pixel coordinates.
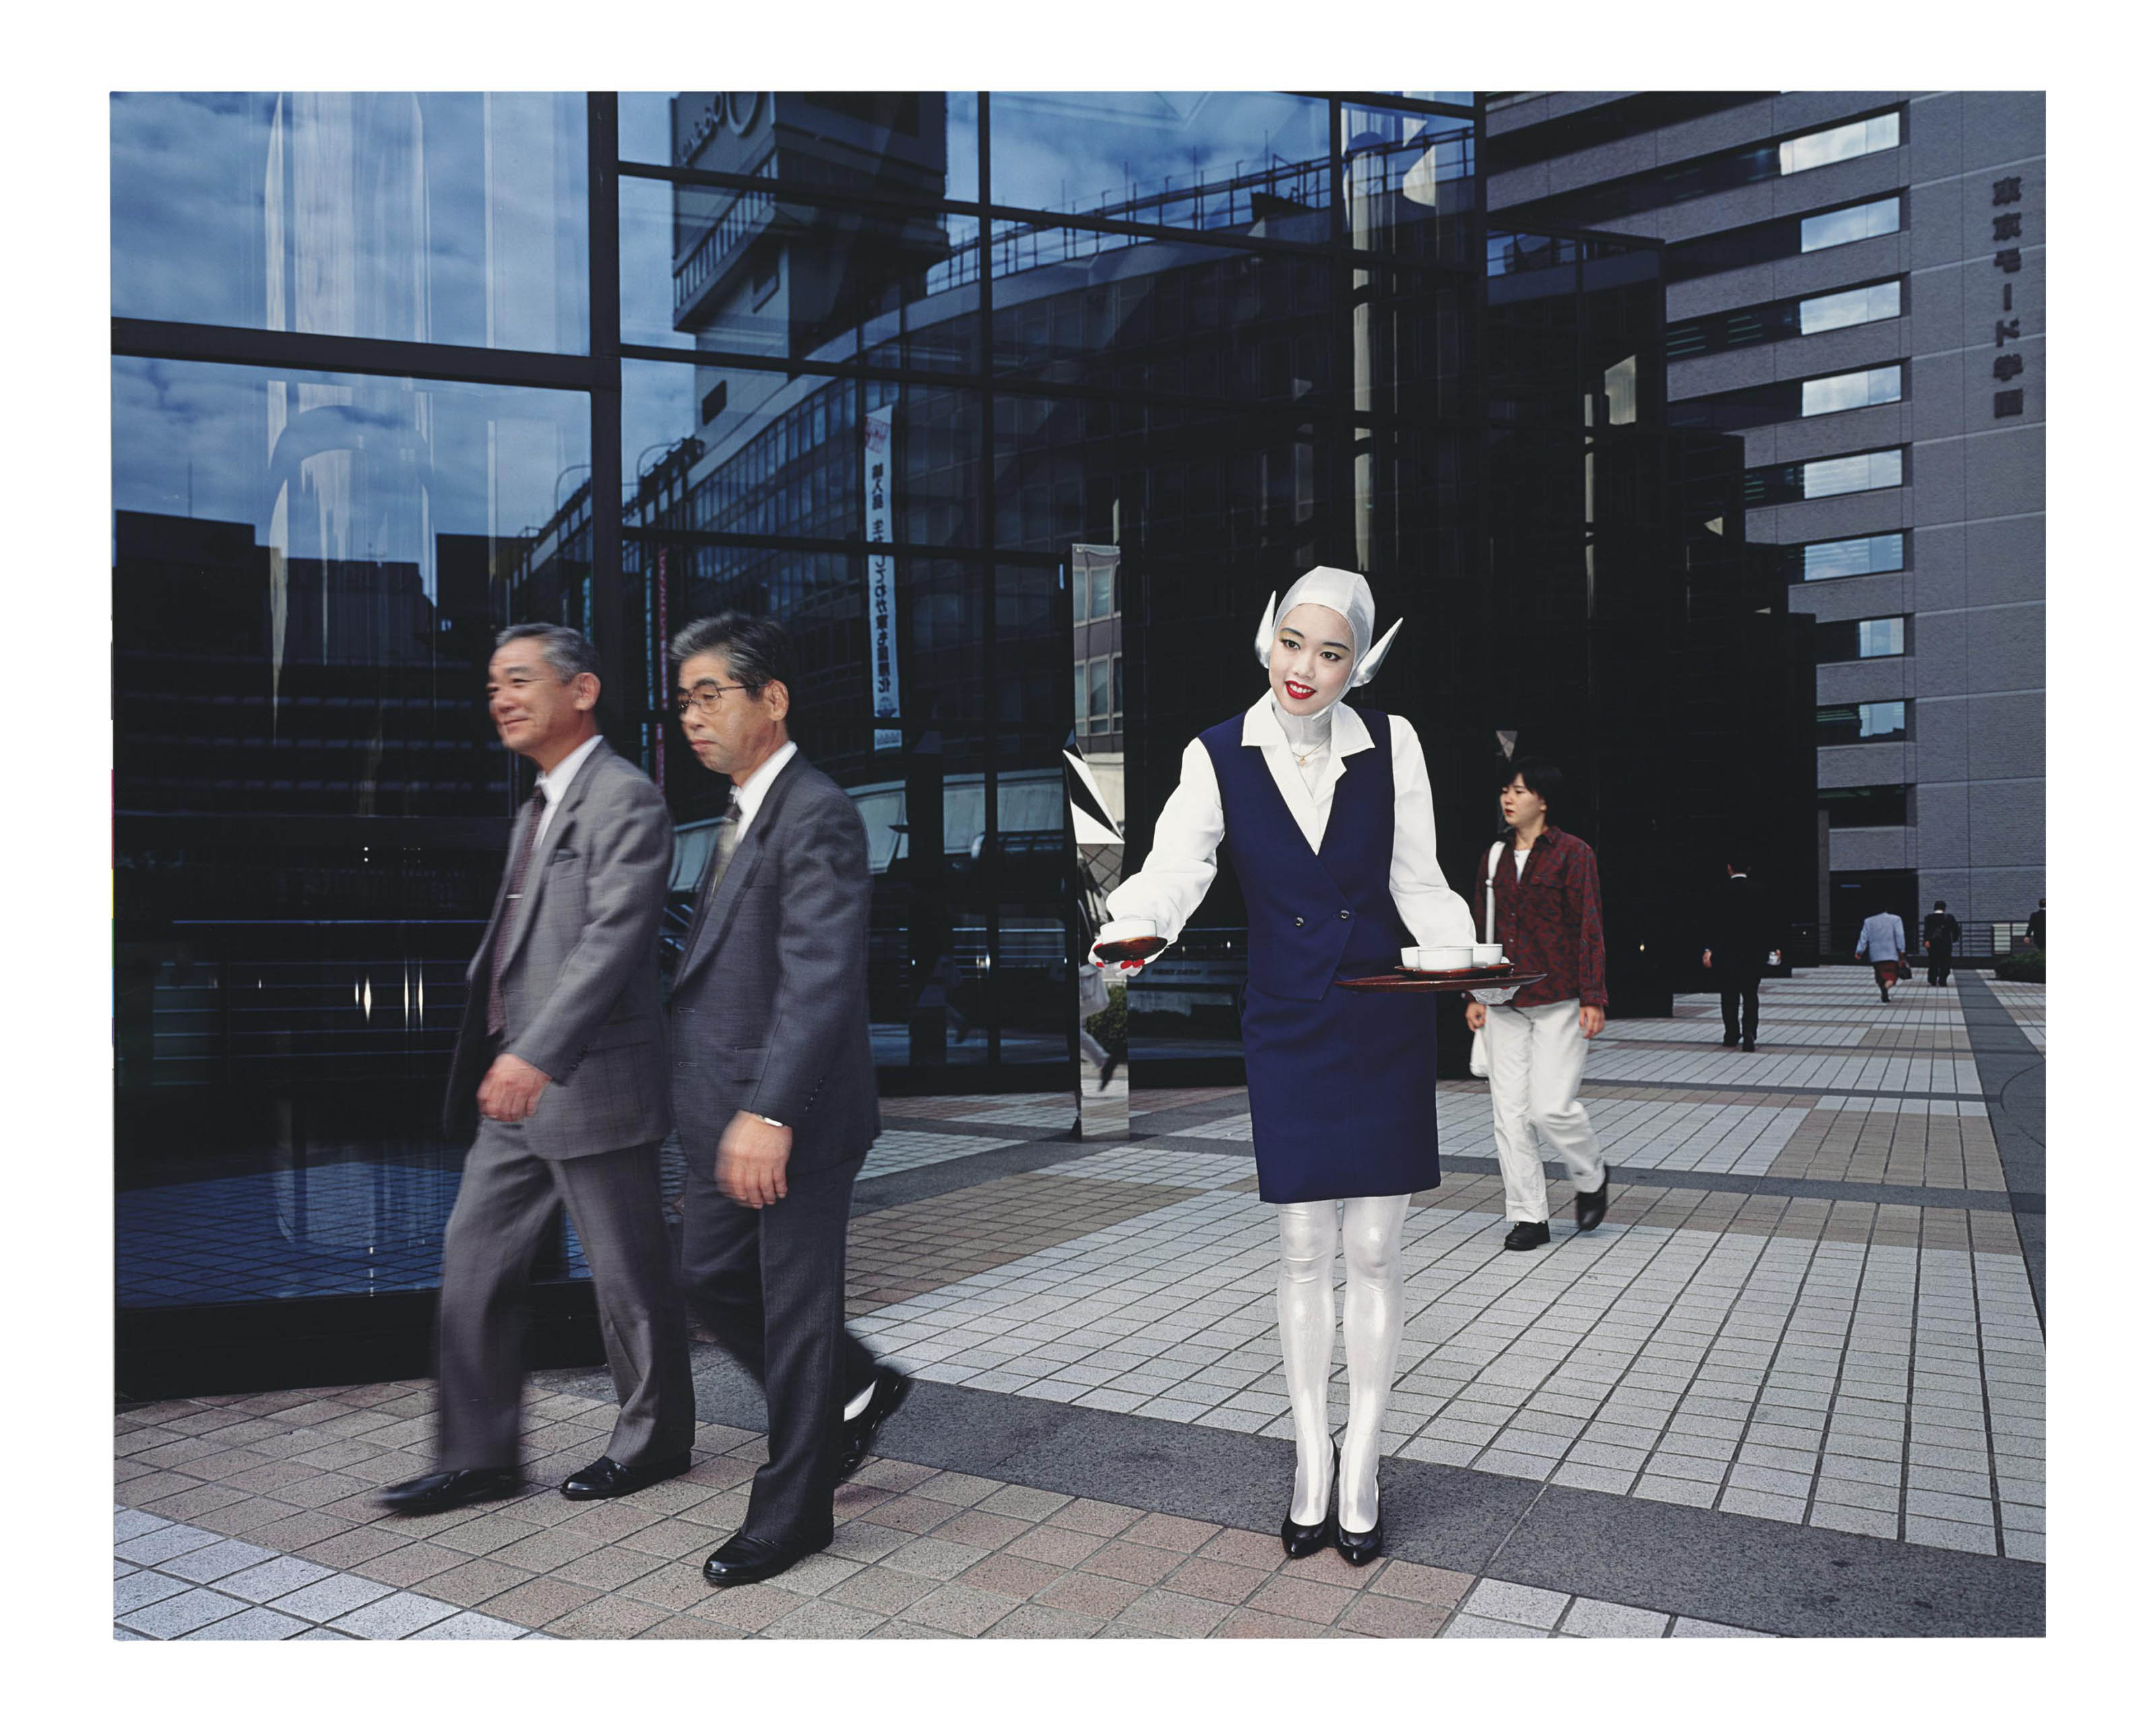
<point>767,1119</point>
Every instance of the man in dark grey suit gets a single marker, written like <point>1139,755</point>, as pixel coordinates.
<point>774,1088</point>
<point>563,1051</point>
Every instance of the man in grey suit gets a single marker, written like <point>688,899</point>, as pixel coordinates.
<point>774,1088</point>
<point>563,1051</point>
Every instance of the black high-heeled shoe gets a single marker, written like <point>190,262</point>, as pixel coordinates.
<point>1299,1540</point>
<point>1360,1549</point>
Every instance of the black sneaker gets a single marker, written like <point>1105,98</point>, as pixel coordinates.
<point>1525,1236</point>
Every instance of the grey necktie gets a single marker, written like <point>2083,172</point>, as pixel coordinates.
<point>725,838</point>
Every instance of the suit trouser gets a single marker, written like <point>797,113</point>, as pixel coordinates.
<point>1745,989</point>
<point>1942,959</point>
<point>771,1283</point>
<point>504,1209</point>
<point>1536,1056</point>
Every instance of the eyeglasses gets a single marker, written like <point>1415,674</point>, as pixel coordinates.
<point>705,696</point>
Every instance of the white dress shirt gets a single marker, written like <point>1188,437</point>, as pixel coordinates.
<point>555,783</point>
<point>1168,888</point>
<point>749,795</point>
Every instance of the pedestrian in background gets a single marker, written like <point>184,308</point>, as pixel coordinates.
<point>2036,927</point>
<point>1738,929</point>
<point>1941,931</point>
<point>1883,942</point>
<point>1549,920</point>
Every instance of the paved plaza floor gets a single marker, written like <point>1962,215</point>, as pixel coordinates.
<point>1793,1386</point>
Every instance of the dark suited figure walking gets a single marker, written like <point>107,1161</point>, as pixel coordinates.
<point>560,1072</point>
<point>774,1088</point>
<point>1741,943</point>
<point>1941,931</point>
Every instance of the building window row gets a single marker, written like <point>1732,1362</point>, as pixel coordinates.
<point>1098,695</point>
<point>1792,398</point>
<point>1829,476</point>
<point>1783,237</point>
<point>1725,171</point>
<point>1777,319</point>
<point>1866,805</point>
<point>1830,559</point>
<point>1865,638</point>
<point>1867,723</point>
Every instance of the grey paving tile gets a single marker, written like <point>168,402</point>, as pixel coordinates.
<point>1700,1627</point>
<point>220,1559</point>
<point>143,1588</point>
<point>159,1544</point>
<point>168,1619</point>
<point>393,1617</point>
<point>267,1582</point>
<point>1607,1618</point>
<point>469,1627</point>
<point>257,1623</point>
<point>1467,1624</point>
<point>331,1598</point>
<point>1515,1603</point>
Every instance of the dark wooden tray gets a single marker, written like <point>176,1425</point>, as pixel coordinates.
<point>1447,983</point>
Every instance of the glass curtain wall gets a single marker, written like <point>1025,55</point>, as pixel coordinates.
<point>392,371</point>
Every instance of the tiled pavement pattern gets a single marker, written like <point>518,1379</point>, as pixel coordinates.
<point>2024,1002</point>
<point>1807,1310</point>
<point>216,1540</point>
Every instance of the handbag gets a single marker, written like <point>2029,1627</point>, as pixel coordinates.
<point>1478,1051</point>
<point>1901,969</point>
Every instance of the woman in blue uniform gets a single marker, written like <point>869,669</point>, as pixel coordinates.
<point>1327,811</point>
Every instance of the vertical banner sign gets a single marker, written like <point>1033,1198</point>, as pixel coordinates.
<point>876,478</point>
<point>662,696</point>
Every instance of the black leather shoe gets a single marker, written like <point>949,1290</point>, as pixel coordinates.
<point>449,1489</point>
<point>607,1478</point>
<point>1525,1236</point>
<point>1360,1549</point>
<point>858,1434</point>
<point>1729,1042</point>
<point>1588,1208</point>
<point>1298,1540</point>
<point>1749,1045</point>
<point>748,1557</point>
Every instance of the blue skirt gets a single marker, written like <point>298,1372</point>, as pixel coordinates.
<point>1343,1094</point>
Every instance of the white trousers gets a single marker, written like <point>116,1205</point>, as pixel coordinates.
<point>1537,1055</point>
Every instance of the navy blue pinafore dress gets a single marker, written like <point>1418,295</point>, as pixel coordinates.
<point>1343,1084</point>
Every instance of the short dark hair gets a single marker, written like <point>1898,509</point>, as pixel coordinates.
<point>1545,778</point>
<point>1938,905</point>
<point>756,649</point>
<point>568,651</point>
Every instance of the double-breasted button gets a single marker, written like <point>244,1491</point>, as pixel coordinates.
<point>1343,916</point>
<point>1298,922</point>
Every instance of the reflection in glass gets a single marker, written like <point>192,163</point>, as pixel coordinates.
<point>1172,159</point>
<point>1093,791</point>
<point>1870,555</point>
<point>309,805</point>
<point>427,216</point>
<point>1852,389</point>
<point>1865,722</point>
<point>1860,137</point>
<point>1879,638</point>
<point>1841,474</point>
<point>1854,305</point>
<point>1839,227</point>
<point>676,129</point>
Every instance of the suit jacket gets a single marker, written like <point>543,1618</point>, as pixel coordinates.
<point>580,991</point>
<point>1942,928</point>
<point>771,1001</point>
<point>1741,930</point>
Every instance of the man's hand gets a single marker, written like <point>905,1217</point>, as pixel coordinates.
<point>1706,958</point>
<point>1477,1014</point>
<point>1591,1021</point>
<point>751,1165</point>
<point>511,1090</point>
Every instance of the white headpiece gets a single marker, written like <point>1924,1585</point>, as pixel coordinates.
<point>1340,590</point>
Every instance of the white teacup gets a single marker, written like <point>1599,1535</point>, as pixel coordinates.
<point>1489,953</point>
<point>1447,958</point>
<point>1411,959</point>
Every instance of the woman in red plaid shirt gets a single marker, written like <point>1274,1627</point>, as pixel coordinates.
<point>1549,920</point>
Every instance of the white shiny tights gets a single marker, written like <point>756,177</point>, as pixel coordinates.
<point>1370,1230</point>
